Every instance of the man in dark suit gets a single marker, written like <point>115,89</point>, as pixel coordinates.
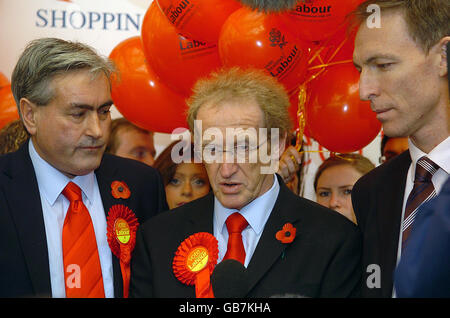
<point>62,90</point>
<point>423,270</point>
<point>288,244</point>
<point>403,67</point>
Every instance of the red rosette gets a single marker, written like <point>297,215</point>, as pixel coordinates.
<point>194,262</point>
<point>122,225</point>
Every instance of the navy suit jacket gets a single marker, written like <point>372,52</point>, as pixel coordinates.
<point>24,265</point>
<point>424,268</point>
<point>377,201</point>
<point>322,261</point>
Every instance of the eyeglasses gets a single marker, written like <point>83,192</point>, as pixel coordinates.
<point>241,151</point>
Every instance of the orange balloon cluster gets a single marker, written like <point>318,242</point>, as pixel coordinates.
<point>307,49</point>
<point>253,39</point>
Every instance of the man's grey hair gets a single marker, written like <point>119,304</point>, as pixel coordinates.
<point>45,58</point>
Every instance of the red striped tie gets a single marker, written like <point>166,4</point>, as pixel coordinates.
<point>236,223</point>
<point>82,271</point>
<point>422,191</point>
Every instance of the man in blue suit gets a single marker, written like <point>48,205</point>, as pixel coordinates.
<point>424,268</point>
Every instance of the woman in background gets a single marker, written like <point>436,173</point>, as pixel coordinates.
<point>183,182</point>
<point>334,181</point>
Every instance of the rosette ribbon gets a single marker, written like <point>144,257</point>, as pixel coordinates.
<point>122,225</point>
<point>194,262</point>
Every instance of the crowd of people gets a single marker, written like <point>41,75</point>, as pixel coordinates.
<point>74,183</point>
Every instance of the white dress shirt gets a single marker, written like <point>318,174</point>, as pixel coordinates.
<point>256,213</point>
<point>51,183</point>
<point>439,155</point>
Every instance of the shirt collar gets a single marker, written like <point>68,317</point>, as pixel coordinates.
<point>256,212</point>
<point>438,154</point>
<point>52,182</point>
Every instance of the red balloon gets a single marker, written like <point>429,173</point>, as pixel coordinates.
<point>335,115</point>
<point>253,39</point>
<point>198,19</point>
<point>8,108</point>
<point>139,95</point>
<point>316,20</point>
<point>179,62</point>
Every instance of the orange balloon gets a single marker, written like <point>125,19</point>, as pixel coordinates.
<point>335,115</point>
<point>198,19</point>
<point>139,95</point>
<point>316,20</point>
<point>253,39</point>
<point>179,62</point>
<point>8,108</point>
<point>3,80</point>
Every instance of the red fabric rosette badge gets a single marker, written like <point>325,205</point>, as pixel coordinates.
<point>194,262</point>
<point>122,225</point>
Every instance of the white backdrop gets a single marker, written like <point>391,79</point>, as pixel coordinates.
<point>102,24</point>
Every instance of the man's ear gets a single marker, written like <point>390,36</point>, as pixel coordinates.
<point>28,111</point>
<point>443,65</point>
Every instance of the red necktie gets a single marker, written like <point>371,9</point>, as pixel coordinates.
<point>236,223</point>
<point>82,271</point>
<point>423,190</point>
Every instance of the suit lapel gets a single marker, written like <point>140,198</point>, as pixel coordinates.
<point>25,205</point>
<point>201,217</point>
<point>105,176</point>
<point>389,216</point>
<point>269,249</point>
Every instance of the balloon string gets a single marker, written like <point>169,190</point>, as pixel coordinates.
<point>328,64</point>
<point>302,89</point>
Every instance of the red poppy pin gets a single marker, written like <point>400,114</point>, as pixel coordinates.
<point>286,234</point>
<point>120,190</point>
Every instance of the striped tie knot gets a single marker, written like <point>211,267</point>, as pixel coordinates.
<point>425,170</point>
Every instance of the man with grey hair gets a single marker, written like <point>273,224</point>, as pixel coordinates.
<point>57,190</point>
<point>286,243</point>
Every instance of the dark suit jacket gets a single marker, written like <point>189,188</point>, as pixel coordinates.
<point>424,269</point>
<point>377,200</point>
<point>322,261</point>
<point>24,265</point>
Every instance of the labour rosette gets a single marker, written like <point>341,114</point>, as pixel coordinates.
<point>194,262</point>
<point>122,225</point>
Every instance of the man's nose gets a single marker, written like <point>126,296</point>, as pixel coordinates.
<point>368,86</point>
